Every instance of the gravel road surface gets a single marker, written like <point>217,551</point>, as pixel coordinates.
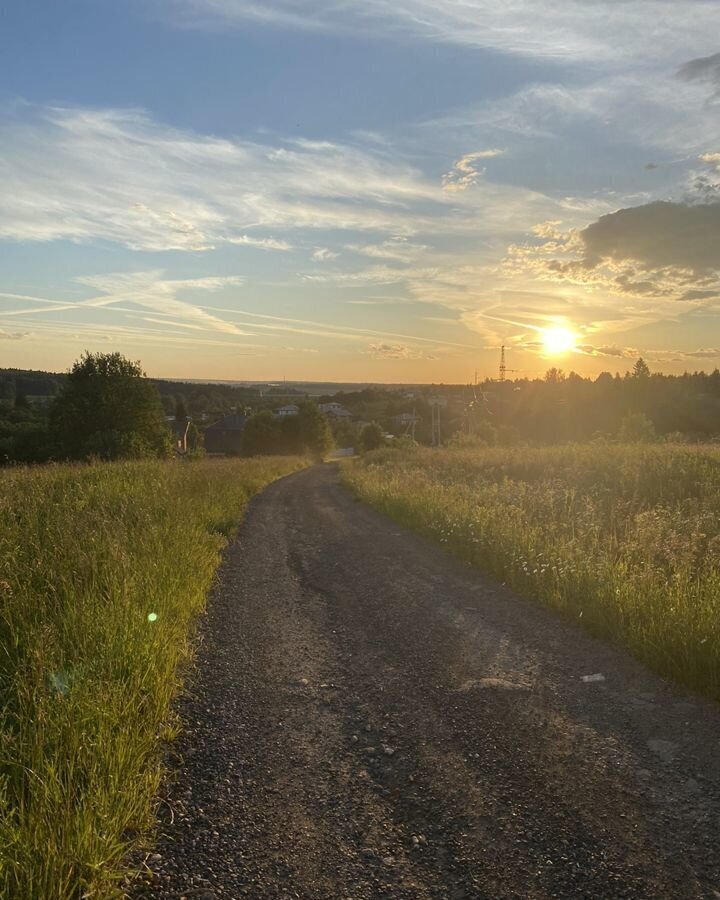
<point>370,718</point>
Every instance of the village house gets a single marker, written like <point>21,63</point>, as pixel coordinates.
<point>334,410</point>
<point>225,436</point>
<point>290,410</point>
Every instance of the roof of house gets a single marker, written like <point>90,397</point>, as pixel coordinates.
<point>234,422</point>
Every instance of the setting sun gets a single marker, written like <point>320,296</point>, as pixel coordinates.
<point>558,340</point>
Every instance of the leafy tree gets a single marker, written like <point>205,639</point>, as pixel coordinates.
<point>555,376</point>
<point>262,434</point>
<point>315,435</point>
<point>181,412</point>
<point>109,409</point>
<point>21,401</point>
<point>636,428</point>
<point>371,437</point>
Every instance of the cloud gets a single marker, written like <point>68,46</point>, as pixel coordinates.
<point>151,290</point>
<point>261,243</point>
<point>466,172</point>
<point>13,335</point>
<point>600,31</point>
<point>397,351</point>
<point>117,175</point>
<point>619,352</point>
<point>649,109</point>
<point>324,254</point>
<point>709,353</point>
<point>706,68</point>
<point>79,174</point>
<point>398,248</point>
<point>660,251</point>
<point>658,235</point>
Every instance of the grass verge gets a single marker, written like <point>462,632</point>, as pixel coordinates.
<point>103,570</point>
<point>624,538</point>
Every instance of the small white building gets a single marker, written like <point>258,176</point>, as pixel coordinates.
<point>289,410</point>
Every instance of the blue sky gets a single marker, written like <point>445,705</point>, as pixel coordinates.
<point>309,189</point>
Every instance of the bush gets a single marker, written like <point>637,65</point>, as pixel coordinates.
<point>636,428</point>
<point>371,437</point>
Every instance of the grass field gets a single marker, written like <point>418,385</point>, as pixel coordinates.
<point>103,570</point>
<point>624,538</point>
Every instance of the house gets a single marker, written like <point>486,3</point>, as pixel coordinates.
<point>405,420</point>
<point>290,410</point>
<point>334,410</point>
<point>225,436</point>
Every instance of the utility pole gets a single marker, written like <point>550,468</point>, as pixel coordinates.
<point>435,408</point>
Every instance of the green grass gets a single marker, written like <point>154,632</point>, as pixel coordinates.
<point>103,570</point>
<point>624,538</point>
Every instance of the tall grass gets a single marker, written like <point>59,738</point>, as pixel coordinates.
<point>624,538</point>
<point>102,571</point>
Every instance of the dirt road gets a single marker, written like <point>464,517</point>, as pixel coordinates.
<point>371,719</point>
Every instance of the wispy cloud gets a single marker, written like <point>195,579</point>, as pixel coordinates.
<point>397,351</point>
<point>116,174</point>
<point>398,248</point>
<point>601,31</point>
<point>466,170</point>
<point>13,335</point>
<point>153,291</point>
<point>261,243</point>
<point>324,254</point>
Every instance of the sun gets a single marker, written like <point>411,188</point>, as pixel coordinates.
<point>558,340</point>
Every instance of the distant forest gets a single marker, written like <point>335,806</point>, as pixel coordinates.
<point>557,408</point>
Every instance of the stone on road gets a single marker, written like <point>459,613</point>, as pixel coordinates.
<point>369,718</point>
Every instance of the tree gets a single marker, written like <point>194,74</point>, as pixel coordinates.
<point>108,408</point>
<point>371,437</point>
<point>181,413</point>
<point>262,434</point>
<point>21,401</point>
<point>554,376</point>
<point>641,369</point>
<point>636,428</point>
<point>315,435</point>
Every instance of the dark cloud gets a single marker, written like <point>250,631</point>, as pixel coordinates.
<point>659,235</point>
<point>706,68</point>
<point>700,295</point>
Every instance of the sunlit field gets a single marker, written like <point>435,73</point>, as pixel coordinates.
<point>624,539</point>
<point>102,571</point>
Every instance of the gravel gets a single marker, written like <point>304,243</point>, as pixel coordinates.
<point>369,718</point>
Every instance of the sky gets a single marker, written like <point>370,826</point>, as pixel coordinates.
<point>390,192</point>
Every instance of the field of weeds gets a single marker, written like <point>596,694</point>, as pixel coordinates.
<point>103,570</point>
<point>625,539</point>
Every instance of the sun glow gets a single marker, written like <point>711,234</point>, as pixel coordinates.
<point>558,340</point>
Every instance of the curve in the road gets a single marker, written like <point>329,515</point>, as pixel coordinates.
<point>371,719</point>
